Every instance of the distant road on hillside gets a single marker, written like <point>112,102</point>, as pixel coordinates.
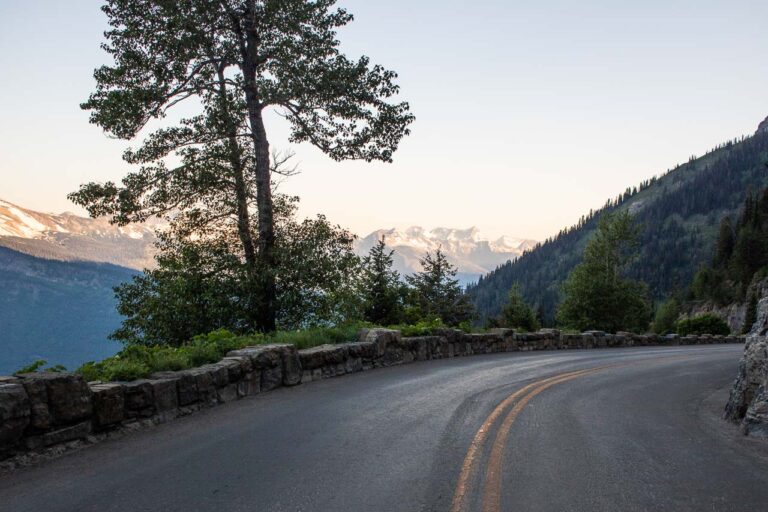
<point>597,430</point>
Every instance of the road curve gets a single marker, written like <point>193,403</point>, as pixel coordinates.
<point>593,430</point>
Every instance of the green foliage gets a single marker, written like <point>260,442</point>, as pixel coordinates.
<point>114,369</point>
<point>596,294</point>
<point>703,324</point>
<point>517,314</point>
<point>435,292</point>
<point>680,212</point>
<point>309,338</point>
<point>32,367</point>
<point>420,328</point>
<point>37,366</point>
<point>665,321</point>
<point>221,64</point>
<point>741,253</point>
<point>201,284</point>
<point>381,290</point>
<point>751,314</point>
<point>139,361</point>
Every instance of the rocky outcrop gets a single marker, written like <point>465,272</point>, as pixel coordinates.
<point>40,411</point>
<point>748,401</point>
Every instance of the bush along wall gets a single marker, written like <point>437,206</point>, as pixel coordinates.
<point>48,412</point>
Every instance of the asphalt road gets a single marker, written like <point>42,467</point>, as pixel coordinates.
<point>499,432</point>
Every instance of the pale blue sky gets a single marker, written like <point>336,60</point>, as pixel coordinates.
<point>528,113</point>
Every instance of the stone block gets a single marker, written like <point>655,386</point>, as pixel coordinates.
<point>68,397</point>
<point>139,399</point>
<point>165,393</point>
<point>108,404</point>
<point>15,413</point>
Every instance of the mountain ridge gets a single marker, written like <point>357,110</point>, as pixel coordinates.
<point>679,213</point>
<point>70,237</point>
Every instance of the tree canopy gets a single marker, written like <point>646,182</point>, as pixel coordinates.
<point>226,62</point>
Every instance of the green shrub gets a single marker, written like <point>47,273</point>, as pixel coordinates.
<point>114,368</point>
<point>38,366</point>
<point>420,328</point>
<point>32,367</point>
<point>703,324</point>
<point>309,338</point>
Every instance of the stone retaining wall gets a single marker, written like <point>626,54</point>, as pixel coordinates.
<point>43,410</point>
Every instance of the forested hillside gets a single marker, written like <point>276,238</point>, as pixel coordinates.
<point>58,311</point>
<point>679,213</point>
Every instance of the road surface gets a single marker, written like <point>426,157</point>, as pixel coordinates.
<point>593,430</point>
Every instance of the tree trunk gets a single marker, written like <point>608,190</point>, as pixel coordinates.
<point>241,192</point>
<point>266,242</point>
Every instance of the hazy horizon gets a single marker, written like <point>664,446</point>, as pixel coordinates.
<point>524,119</point>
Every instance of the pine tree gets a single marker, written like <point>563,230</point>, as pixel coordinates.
<point>436,292</point>
<point>725,243</point>
<point>380,287</point>
<point>517,314</point>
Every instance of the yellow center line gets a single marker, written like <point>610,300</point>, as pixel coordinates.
<point>492,489</point>
<point>468,466</point>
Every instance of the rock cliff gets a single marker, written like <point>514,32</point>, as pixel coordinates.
<point>748,402</point>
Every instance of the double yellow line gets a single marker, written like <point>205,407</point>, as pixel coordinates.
<point>492,485</point>
<point>491,495</point>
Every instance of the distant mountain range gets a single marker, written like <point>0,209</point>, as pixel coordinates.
<point>679,214</point>
<point>472,254</point>
<point>70,237</point>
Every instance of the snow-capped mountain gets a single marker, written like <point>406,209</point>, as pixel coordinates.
<point>467,249</point>
<point>69,237</point>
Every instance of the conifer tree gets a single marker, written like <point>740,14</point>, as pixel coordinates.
<point>517,314</point>
<point>436,292</point>
<point>380,287</point>
<point>597,296</point>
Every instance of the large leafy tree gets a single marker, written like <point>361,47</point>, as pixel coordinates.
<point>229,61</point>
<point>436,292</point>
<point>597,296</point>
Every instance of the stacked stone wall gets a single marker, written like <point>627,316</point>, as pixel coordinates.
<point>41,411</point>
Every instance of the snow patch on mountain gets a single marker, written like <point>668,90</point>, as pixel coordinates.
<point>67,236</point>
<point>472,253</point>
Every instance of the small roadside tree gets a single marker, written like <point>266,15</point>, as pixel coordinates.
<point>436,292</point>
<point>596,296</point>
<point>381,289</point>
<point>517,314</point>
<point>666,316</point>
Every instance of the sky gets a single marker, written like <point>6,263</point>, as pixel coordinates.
<point>528,114</point>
